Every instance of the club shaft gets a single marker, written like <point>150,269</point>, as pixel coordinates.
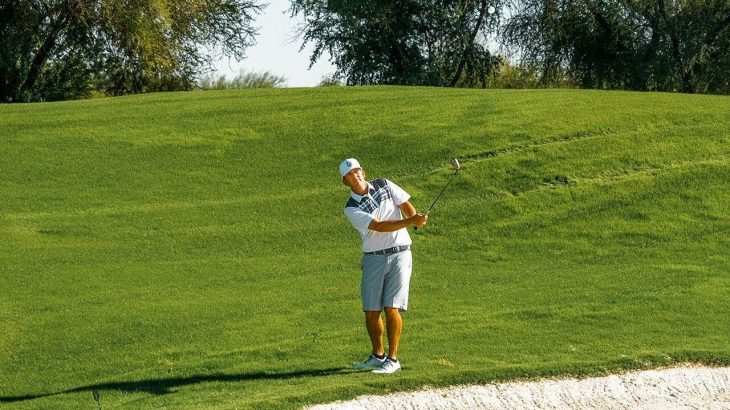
<point>442,191</point>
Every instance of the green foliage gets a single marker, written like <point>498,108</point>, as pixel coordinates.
<point>408,42</point>
<point>330,80</point>
<point>188,250</point>
<point>63,49</point>
<point>68,79</point>
<point>509,75</point>
<point>662,45</point>
<point>242,80</point>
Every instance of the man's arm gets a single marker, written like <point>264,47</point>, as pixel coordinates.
<point>407,209</point>
<point>412,218</point>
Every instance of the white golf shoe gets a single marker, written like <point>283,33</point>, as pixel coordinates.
<point>372,361</point>
<point>388,366</point>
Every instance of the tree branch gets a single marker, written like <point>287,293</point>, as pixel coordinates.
<point>468,47</point>
<point>43,52</point>
<point>676,56</point>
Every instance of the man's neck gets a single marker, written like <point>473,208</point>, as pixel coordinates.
<point>361,190</point>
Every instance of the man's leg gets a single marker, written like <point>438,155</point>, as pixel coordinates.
<point>395,298</point>
<point>373,274</point>
<point>375,329</point>
<point>394,324</point>
<point>374,324</point>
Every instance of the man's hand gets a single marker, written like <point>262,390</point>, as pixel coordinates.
<point>407,209</point>
<point>420,220</point>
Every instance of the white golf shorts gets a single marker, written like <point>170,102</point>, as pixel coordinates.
<point>385,281</point>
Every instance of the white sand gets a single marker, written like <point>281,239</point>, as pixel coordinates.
<point>685,387</point>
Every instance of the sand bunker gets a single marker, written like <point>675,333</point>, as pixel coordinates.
<point>685,387</point>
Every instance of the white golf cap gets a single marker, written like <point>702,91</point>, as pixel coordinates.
<point>348,165</point>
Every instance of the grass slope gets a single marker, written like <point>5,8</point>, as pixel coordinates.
<point>188,250</point>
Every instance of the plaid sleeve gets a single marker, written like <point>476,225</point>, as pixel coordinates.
<point>358,218</point>
<point>399,195</point>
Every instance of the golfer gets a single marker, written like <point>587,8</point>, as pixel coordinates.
<point>374,209</point>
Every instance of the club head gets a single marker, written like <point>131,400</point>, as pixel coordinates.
<point>455,164</point>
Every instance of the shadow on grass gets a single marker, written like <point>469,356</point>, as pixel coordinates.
<point>165,386</point>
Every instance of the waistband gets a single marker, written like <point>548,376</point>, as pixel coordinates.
<point>388,251</point>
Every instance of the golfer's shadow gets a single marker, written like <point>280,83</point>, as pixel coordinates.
<point>166,386</point>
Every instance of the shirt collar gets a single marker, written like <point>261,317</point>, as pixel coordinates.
<point>359,198</point>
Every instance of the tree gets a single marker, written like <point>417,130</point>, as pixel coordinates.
<point>242,80</point>
<point>409,42</point>
<point>56,49</point>
<point>663,45</point>
<point>510,75</point>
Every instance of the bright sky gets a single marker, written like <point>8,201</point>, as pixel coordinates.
<point>277,52</point>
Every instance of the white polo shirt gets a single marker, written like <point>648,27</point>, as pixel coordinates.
<point>381,203</point>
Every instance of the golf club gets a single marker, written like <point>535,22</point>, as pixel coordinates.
<point>456,166</point>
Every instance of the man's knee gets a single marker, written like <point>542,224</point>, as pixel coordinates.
<point>389,311</point>
<point>372,315</point>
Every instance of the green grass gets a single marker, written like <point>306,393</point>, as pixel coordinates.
<point>188,250</point>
